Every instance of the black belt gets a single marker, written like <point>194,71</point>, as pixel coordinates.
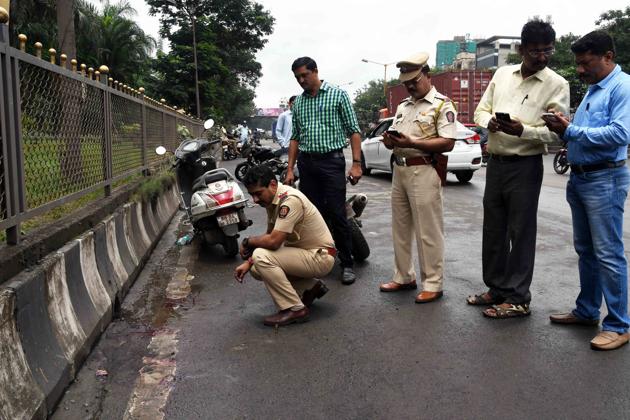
<point>510,158</point>
<point>319,156</point>
<point>592,167</point>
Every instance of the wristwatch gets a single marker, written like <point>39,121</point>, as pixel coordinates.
<point>246,242</point>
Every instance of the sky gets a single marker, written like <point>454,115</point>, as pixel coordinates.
<point>339,34</point>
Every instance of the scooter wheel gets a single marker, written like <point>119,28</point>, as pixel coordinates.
<point>230,246</point>
<point>360,247</point>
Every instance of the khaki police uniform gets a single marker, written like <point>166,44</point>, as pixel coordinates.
<point>307,253</point>
<point>416,188</point>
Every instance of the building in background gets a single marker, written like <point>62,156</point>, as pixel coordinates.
<point>493,52</point>
<point>464,61</point>
<point>447,50</point>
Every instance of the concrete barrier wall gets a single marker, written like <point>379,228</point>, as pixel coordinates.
<point>50,317</point>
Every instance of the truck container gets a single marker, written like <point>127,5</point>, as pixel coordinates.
<point>463,87</point>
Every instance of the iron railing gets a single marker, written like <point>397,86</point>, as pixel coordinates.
<point>65,134</point>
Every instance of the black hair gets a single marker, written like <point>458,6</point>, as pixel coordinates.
<point>426,69</point>
<point>596,42</point>
<point>537,31</point>
<point>304,61</point>
<point>260,175</point>
<point>292,98</point>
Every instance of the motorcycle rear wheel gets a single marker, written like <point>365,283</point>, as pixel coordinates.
<point>241,170</point>
<point>560,164</point>
<point>360,247</point>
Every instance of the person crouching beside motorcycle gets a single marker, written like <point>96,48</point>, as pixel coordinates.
<point>297,248</point>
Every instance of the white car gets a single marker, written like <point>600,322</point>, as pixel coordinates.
<point>463,160</point>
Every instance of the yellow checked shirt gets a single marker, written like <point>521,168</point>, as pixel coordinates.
<point>292,213</point>
<point>525,101</point>
<point>416,119</point>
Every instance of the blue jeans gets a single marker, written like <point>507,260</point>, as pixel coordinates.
<point>597,204</point>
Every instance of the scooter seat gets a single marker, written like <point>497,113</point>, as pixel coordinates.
<point>208,178</point>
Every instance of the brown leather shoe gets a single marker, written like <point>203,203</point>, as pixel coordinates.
<point>287,317</point>
<point>609,340</point>
<point>570,318</point>
<point>315,292</point>
<point>426,297</point>
<point>392,286</point>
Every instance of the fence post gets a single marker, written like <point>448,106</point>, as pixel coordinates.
<point>10,131</point>
<point>107,109</point>
<point>145,163</point>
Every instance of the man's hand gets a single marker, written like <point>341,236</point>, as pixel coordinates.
<point>289,179</point>
<point>558,125</point>
<point>387,141</point>
<point>493,125</point>
<point>241,270</point>
<point>402,141</point>
<point>512,127</point>
<point>245,251</point>
<point>355,172</point>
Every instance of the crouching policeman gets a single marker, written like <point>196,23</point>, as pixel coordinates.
<point>297,248</point>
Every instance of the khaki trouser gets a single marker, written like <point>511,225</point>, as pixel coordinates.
<point>417,209</point>
<point>288,271</point>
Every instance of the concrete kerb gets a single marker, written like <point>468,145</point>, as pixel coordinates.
<point>20,396</point>
<point>138,234</point>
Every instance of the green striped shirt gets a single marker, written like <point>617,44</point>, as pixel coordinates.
<point>322,123</point>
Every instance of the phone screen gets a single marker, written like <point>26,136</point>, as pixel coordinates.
<point>503,116</point>
<point>393,133</point>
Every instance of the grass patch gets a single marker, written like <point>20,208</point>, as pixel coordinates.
<point>154,186</point>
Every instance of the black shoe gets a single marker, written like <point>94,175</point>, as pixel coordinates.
<point>347,275</point>
<point>316,292</point>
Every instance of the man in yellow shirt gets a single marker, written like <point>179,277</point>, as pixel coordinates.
<point>511,109</point>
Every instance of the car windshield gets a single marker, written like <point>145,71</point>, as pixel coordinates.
<point>381,128</point>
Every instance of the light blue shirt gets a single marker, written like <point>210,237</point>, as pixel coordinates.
<point>600,131</point>
<point>284,128</point>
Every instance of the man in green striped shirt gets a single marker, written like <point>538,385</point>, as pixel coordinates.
<point>322,120</point>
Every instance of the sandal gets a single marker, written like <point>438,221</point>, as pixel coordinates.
<point>509,311</point>
<point>484,299</point>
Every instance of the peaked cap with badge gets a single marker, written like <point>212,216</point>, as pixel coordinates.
<point>411,67</point>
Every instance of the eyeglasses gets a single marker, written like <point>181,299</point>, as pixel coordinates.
<point>547,52</point>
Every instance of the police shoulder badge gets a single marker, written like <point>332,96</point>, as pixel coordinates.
<point>450,116</point>
<point>283,212</point>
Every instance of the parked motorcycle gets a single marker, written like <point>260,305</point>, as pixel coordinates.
<point>213,200</point>
<point>257,155</point>
<point>560,161</point>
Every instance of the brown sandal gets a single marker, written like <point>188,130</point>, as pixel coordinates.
<point>509,311</point>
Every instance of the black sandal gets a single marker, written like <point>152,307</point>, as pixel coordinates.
<point>511,311</point>
<point>484,299</point>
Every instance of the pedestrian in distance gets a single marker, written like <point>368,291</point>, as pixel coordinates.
<point>322,120</point>
<point>511,108</point>
<point>296,249</point>
<point>423,127</point>
<point>284,129</point>
<point>597,142</point>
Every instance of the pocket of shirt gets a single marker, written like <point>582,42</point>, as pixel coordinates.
<point>425,123</point>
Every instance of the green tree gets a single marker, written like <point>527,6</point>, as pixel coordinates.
<point>369,101</point>
<point>617,23</point>
<point>229,33</point>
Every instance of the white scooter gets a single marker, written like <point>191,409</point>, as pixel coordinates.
<point>213,200</point>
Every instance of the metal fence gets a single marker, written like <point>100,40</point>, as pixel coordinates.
<point>64,135</point>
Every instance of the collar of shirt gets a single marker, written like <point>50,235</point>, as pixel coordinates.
<point>322,88</point>
<point>606,80</point>
<point>279,191</point>
<point>541,75</point>
<point>429,97</point>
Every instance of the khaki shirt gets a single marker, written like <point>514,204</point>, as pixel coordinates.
<point>292,213</point>
<point>525,100</point>
<point>416,119</point>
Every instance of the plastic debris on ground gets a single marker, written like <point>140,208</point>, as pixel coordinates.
<point>185,240</point>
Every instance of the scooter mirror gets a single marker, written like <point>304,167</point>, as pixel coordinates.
<point>160,150</point>
<point>208,124</point>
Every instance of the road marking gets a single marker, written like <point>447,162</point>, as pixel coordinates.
<point>156,378</point>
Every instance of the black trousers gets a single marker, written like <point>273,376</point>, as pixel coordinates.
<point>323,181</point>
<point>510,206</point>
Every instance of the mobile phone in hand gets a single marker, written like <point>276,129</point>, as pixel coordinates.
<point>549,116</point>
<point>393,133</point>
<point>503,116</point>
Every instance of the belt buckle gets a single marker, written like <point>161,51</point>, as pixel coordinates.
<point>401,161</point>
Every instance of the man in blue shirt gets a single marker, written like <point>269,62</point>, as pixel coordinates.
<point>598,141</point>
<point>284,129</point>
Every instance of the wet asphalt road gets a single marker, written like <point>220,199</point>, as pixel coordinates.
<point>365,354</point>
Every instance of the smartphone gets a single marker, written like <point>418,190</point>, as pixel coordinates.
<point>503,116</point>
<point>549,115</point>
<point>393,133</point>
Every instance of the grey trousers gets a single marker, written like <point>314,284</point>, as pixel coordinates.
<point>510,206</point>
